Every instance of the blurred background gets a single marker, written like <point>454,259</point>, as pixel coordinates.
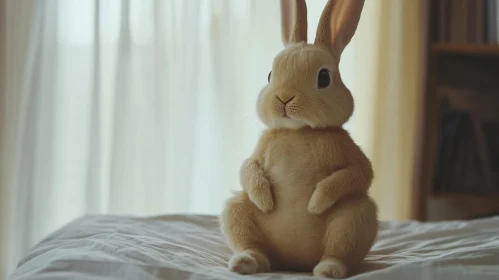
<point>147,107</point>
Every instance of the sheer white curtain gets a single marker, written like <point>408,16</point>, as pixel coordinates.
<point>130,107</point>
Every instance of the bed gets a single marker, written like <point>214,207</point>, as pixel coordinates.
<point>191,247</point>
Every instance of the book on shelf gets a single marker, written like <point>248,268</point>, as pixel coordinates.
<point>468,21</point>
<point>450,128</point>
<point>467,159</point>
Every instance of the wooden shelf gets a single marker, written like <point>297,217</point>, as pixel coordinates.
<point>466,49</point>
<point>472,69</point>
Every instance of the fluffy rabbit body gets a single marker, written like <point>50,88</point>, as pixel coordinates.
<point>305,203</point>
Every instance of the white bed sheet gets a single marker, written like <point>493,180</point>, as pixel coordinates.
<point>191,247</point>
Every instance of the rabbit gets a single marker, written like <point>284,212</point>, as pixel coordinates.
<point>304,204</point>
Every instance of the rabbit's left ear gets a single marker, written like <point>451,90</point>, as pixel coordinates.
<point>338,24</point>
<point>293,21</point>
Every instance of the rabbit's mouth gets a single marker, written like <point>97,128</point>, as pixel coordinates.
<point>283,111</point>
<point>286,111</point>
<point>289,110</point>
<point>286,106</point>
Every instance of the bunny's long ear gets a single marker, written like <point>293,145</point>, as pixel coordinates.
<point>293,21</point>
<point>338,23</point>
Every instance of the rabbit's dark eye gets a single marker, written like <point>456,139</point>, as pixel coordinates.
<point>270,74</point>
<point>323,79</point>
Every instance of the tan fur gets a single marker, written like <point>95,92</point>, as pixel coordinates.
<point>338,23</point>
<point>305,203</point>
<point>293,30</point>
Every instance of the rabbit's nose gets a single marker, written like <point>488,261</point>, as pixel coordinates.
<point>285,98</point>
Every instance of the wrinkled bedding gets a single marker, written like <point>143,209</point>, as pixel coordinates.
<point>191,247</point>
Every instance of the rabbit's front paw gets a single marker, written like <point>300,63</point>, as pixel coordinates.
<point>319,202</point>
<point>261,196</point>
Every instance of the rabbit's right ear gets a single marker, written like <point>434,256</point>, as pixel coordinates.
<point>293,21</point>
<point>338,23</point>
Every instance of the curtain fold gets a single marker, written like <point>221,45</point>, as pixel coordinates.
<point>148,107</point>
<point>5,144</point>
<point>396,91</point>
<point>16,22</point>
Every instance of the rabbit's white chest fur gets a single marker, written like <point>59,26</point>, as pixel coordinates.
<point>295,163</point>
